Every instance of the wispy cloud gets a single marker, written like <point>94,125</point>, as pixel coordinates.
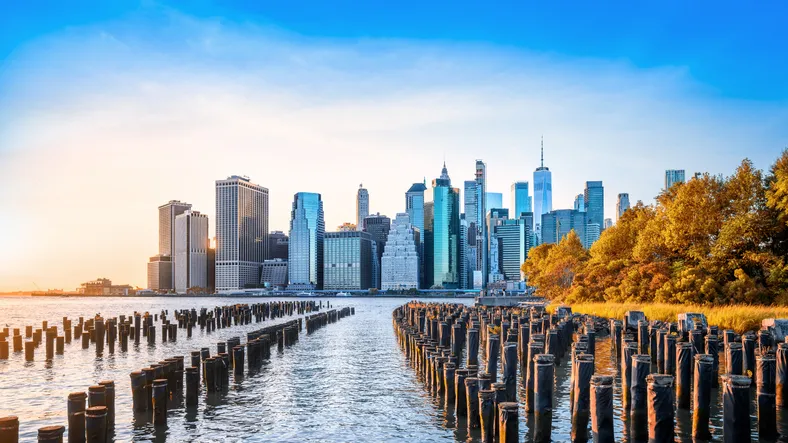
<point>99,125</point>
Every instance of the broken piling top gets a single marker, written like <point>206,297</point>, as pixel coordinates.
<point>777,326</point>
<point>739,381</point>
<point>659,380</point>
<point>602,381</point>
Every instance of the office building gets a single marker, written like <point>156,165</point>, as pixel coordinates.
<point>160,273</point>
<point>277,245</point>
<point>362,207</point>
<point>521,199</point>
<point>400,260</point>
<point>543,194</point>
<point>493,200</point>
<point>580,203</point>
<point>241,232</point>
<point>212,268</point>
<point>514,241</point>
<point>608,223</point>
<point>190,262</point>
<point>481,237</point>
<point>305,250</point>
<point>429,255</point>
<point>414,205</point>
<point>621,205</point>
<point>273,273</point>
<point>167,214</point>
<point>445,232</point>
<point>378,227</point>
<point>594,197</point>
<point>673,176</point>
<point>495,260</point>
<point>593,232</point>
<point>557,224</point>
<point>463,250</point>
<point>347,260</point>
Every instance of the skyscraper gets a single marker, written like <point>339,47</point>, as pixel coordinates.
<point>557,224</point>
<point>446,231</point>
<point>277,245</point>
<point>622,205</point>
<point>494,200</point>
<point>593,232</point>
<point>167,214</point>
<point>673,176</point>
<point>362,207</point>
<point>481,238</point>
<point>594,197</point>
<point>400,262</point>
<point>513,241</point>
<point>608,223</point>
<point>580,203</point>
<point>543,194</point>
<point>463,249</point>
<point>305,251</point>
<point>414,206</point>
<point>347,262</point>
<point>429,245</point>
<point>241,232</point>
<point>470,201</point>
<point>160,273</point>
<point>378,227</point>
<point>521,200</point>
<point>190,262</point>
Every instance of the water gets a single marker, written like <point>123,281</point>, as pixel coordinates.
<point>349,381</point>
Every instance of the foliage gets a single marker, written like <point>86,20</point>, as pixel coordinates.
<point>711,241</point>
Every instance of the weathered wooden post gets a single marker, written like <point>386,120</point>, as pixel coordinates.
<point>510,371</point>
<point>641,368</point>
<point>543,393</point>
<point>782,375</point>
<point>767,406</point>
<point>583,370</point>
<point>109,401</point>
<point>734,364</point>
<point>160,402</point>
<point>643,340</point>
<point>51,434</point>
<point>9,429</point>
<point>670,354</point>
<point>448,383</point>
<point>487,414</point>
<point>96,424</point>
<point>192,385</point>
<point>509,429</point>
<point>139,396</point>
<point>736,408</point>
<point>602,409</point>
<point>534,348</point>
<point>76,417</point>
<point>472,402</point>
<point>493,345</point>
<point>660,409</point>
<point>684,374</point>
<point>473,347</point>
<point>627,352</point>
<point>712,348</point>
<point>704,367</point>
<point>748,356</point>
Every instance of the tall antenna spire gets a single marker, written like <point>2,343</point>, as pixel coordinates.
<point>543,151</point>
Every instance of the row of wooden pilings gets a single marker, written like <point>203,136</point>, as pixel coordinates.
<point>162,383</point>
<point>107,332</point>
<point>456,349</point>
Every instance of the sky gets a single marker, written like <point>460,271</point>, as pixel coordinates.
<point>110,109</point>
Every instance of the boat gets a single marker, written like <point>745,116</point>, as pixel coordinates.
<point>343,294</point>
<point>305,294</point>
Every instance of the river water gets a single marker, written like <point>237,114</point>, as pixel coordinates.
<point>348,382</point>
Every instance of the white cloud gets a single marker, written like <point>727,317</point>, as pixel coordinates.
<point>98,126</point>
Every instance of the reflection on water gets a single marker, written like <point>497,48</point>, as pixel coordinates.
<point>346,382</point>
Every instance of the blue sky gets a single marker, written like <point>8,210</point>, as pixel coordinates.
<point>118,107</point>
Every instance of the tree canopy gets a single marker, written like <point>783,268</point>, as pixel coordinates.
<point>711,240</point>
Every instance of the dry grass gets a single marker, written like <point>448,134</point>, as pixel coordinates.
<point>740,318</point>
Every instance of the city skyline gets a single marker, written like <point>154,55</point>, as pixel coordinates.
<point>126,100</point>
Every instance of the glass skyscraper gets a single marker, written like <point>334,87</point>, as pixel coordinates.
<point>622,205</point>
<point>543,194</point>
<point>446,232</point>
<point>414,206</point>
<point>594,197</point>
<point>481,244</point>
<point>429,245</point>
<point>673,176</point>
<point>494,200</point>
<point>557,224</point>
<point>521,200</point>
<point>305,250</point>
<point>513,237</point>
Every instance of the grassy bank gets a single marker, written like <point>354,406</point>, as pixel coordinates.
<point>740,318</point>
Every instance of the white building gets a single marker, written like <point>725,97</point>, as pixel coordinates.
<point>400,262</point>
<point>160,273</point>
<point>622,205</point>
<point>362,207</point>
<point>190,261</point>
<point>673,176</point>
<point>167,214</point>
<point>241,232</point>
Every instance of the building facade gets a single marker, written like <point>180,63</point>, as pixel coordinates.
<point>543,195</point>
<point>493,200</point>
<point>167,214</point>
<point>378,226</point>
<point>608,223</point>
<point>593,231</point>
<point>482,260</point>
<point>673,176</point>
<point>594,197</point>
<point>521,199</point>
<point>400,261</point>
<point>241,232</point>
<point>160,273</point>
<point>446,232</point>
<point>362,207</point>
<point>514,241</point>
<point>273,273</point>
<point>557,224</point>
<point>429,245</point>
<point>190,262</point>
<point>580,203</point>
<point>277,245</point>
<point>347,260</point>
<point>305,248</point>
<point>622,205</point>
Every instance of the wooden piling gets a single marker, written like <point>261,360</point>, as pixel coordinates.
<point>76,417</point>
<point>472,402</point>
<point>487,414</point>
<point>683,375</point>
<point>704,373</point>
<point>602,409</point>
<point>661,418</point>
<point>9,429</point>
<point>139,395</point>
<point>543,397</point>
<point>160,402</point>
<point>96,424</point>
<point>735,408</point>
<point>508,422</point>
<point>765,375</point>
<point>51,434</point>
<point>583,370</point>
